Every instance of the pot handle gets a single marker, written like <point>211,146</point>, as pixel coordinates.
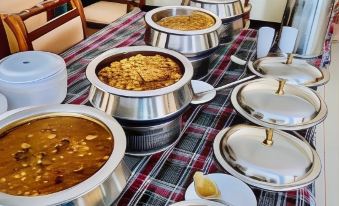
<point>269,137</point>
<point>280,90</point>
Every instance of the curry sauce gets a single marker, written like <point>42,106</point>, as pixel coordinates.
<point>195,21</point>
<point>48,155</point>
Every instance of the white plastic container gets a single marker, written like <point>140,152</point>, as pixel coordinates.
<point>33,78</point>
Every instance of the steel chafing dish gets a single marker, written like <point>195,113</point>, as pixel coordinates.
<point>294,71</point>
<point>266,157</point>
<point>274,104</point>
<point>103,187</point>
<point>231,13</point>
<point>272,160</point>
<point>150,118</point>
<point>197,45</point>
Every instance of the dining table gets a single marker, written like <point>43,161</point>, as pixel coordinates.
<point>162,178</point>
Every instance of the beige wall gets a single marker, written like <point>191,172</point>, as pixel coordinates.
<point>268,10</point>
<point>162,2</point>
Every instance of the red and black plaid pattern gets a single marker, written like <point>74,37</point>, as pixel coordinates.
<point>162,179</point>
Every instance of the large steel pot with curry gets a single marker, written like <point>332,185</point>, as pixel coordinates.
<point>52,155</point>
<point>190,31</point>
<point>232,13</point>
<point>146,89</point>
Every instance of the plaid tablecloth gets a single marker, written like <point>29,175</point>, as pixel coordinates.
<point>162,179</point>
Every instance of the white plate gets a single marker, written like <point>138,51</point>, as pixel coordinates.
<point>197,203</point>
<point>200,86</point>
<point>232,190</point>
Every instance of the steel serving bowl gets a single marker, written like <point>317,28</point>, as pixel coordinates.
<point>103,187</point>
<point>231,13</point>
<point>189,43</point>
<point>274,104</point>
<point>281,162</point>
<point>149,106</point>
<point>294,71</point>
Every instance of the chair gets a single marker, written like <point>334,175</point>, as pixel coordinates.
<point>102,13</point>
<point>15,6</point>
<point>56,35</point>
<point>4,47</point>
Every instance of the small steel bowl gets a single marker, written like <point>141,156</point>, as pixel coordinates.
<point>103,187</point>
<point>151,105</point>
<point>188,43</point>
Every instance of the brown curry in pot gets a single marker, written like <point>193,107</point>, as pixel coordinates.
<point>195,21</point>
<point>48,155</point>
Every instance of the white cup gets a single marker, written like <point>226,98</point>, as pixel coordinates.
<point>288,39</point>
<point>264,41</point>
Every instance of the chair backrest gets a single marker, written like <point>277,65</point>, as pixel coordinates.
<point>56,35</point>
<point>132,3</point>
<point>15,6</point>
<point>4,47</point>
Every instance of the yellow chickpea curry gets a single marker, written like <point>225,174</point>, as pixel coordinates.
<point>195,21</point>
<point>51,154</point>
<point>140,73</point>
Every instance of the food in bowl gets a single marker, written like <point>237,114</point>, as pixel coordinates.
<point>140,73</point>
<point>195,21</point>
<point>47,155</point>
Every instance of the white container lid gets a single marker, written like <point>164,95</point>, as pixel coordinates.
<point>30,66</point>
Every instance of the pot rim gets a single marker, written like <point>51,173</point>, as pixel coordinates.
<point>93,78</point>
<point>69,194</point>
<point>151,23</point>
<point>216,1</point>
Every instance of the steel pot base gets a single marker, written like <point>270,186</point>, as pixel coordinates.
<point>200,65</point>
<point>143,140</point>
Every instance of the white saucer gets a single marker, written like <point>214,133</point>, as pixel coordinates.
<point>197,203</point>
<point>200,86</point>
<point>232,190</point>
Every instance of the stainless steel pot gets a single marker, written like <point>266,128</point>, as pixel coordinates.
<point>231,13</point>
<point>100,189</point>
<point>311,18</point>
<point>150,118</point>
<point>188,43</point>
<point>150,106</point>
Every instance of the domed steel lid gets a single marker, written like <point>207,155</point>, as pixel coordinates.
<point>272,160</point>
<point>274,104</point>
<point>294,71</point>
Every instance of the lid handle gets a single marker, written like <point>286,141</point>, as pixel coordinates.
<point>280,90</point>
<point>289,58</point>
<point>269,137</point>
